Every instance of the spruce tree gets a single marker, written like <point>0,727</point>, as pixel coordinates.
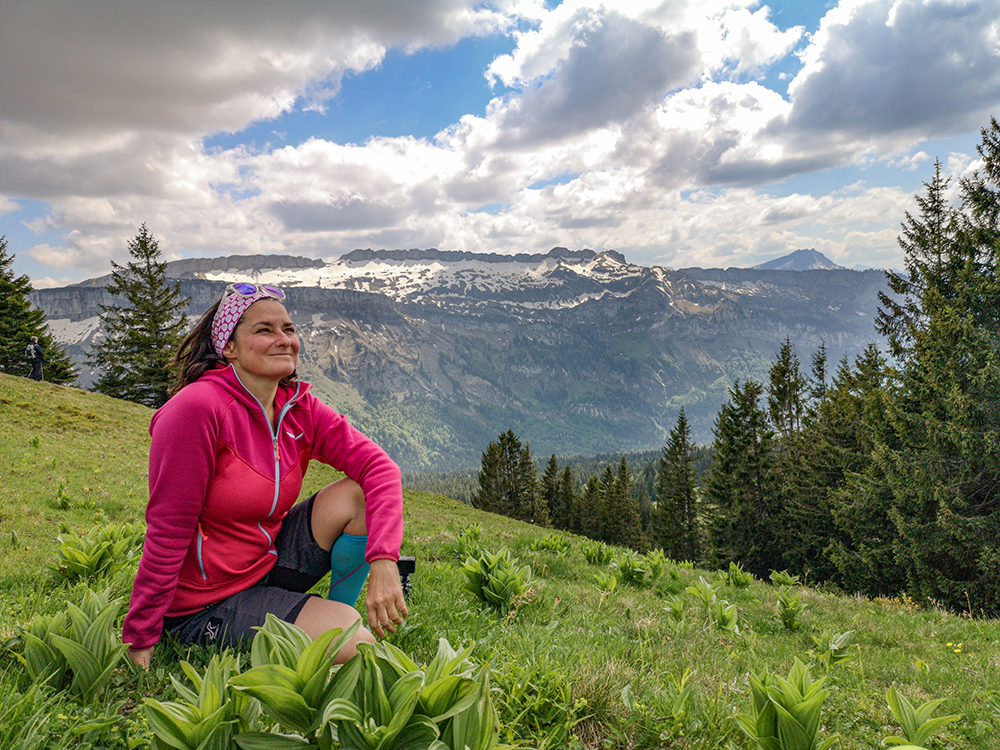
<point>508,481</point>
<point>741,486</point>
<point>945,472</point>
<point>620,522</point>
<point>589,516</point>
<point>534,509</point>
<point>551,495</point>
<point>817,380</point>
<point>143,334</point>
<point>931,264</point>
<point>569,501</point>
<point>19,321</point>
<point>852,427</point>
<point>786,391</point>
<point>675,521</point>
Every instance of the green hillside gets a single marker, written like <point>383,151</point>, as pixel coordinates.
<point>573,664</point>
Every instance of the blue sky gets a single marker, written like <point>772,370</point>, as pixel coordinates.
<point>679,133</point>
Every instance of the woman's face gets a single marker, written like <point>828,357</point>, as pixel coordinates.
<point>264,344</point>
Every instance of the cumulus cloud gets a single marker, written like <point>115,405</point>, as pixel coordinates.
<point>615,68</point>
<point>7,205</point>
<point>644,125</point>
<point>892,71</point>
<point>114,65</point>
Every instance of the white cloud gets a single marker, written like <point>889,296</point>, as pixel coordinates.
<point>634,125</point>
<point>7,205</point>
<point>114,65</point>
<point>47,282</point>
<point>889,72</point>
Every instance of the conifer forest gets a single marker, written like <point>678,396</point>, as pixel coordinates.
<point>877,476</point>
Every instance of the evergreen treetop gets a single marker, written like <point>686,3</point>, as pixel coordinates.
<point>143,334</point>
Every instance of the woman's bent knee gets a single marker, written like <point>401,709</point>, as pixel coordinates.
<point>339,508</point>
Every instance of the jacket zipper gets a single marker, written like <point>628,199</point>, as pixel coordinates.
<point>275,434</point>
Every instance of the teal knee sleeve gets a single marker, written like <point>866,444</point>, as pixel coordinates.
<point>348,569</point>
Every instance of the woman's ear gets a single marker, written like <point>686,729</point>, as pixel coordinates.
<point>229,350</point>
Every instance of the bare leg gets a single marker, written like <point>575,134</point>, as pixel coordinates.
<point>319,615</point>
<point>339,508</point>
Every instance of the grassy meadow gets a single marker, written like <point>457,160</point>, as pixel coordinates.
<point>574,664</point>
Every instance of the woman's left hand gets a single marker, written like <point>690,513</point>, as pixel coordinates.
<point>386,606</point>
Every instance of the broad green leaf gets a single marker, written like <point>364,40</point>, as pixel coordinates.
<point>402,699</point>
<point>791,734</point>
<point>351,737</point>
<point>447,697</point>
<point>84,664</point>
<point>317,656</point>
<point>268,741</point>
<point>398,658</point>
<point>344,680</point>
<point>166,725</point>
<point>183,690</point>
<point>927,710</point>
<point>419,734</point>
<point>284,705</point>
<point>930,727</point>
<point>339,710</point>
<point>268,675</point>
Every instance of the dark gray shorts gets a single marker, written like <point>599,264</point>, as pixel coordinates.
<point>302,563</point>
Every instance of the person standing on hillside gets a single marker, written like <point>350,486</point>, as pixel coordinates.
<point>36,356</point>
<point>226,543</point>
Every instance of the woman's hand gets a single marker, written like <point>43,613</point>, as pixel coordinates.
<point>141,657</point>
<point>386,606</point>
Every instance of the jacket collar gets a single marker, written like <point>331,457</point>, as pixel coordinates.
<point>225,377</point>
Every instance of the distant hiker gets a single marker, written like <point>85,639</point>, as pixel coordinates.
<point>36,356</point>
<point>226,543</point>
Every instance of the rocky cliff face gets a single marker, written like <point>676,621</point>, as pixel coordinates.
<point>435,353</point>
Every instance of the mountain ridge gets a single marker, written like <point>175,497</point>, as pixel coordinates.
<point>578,352</point>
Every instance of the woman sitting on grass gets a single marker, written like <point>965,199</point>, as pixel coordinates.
<point>226,544</point>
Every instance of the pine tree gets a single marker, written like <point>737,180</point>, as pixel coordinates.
<point>19,322</point>
<point>745,524</point>
<point>508,481</point>
<point>675,521</point>
<point>141,336</point>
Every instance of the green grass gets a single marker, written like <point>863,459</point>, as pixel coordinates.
<point>560,661</point>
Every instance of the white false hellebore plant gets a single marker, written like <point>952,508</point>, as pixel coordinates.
<point>379,700</point>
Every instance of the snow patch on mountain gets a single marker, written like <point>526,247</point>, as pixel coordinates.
<point>536,282</point>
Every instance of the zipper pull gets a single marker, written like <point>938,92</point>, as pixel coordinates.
<point>201,533</point>
<point>277,455</point>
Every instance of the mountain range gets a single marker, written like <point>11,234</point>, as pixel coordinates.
<point>434,353</point>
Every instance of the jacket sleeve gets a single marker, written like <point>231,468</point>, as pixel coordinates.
<point>337,443</point>
<point>181,467</point>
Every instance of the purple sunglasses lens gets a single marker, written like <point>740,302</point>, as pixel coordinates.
<point>275,291</point>
<point>244,288</point>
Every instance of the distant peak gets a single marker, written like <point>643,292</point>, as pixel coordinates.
<point>800,260</point>
<point>612,254</point>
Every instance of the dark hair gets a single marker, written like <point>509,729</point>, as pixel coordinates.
<point>196,355</point>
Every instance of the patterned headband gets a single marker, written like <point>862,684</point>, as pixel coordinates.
<point>235,301</point>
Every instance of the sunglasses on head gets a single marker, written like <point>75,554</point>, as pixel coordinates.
<point>246,289</point>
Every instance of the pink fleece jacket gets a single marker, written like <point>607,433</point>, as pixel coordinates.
<point>220,483</point>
